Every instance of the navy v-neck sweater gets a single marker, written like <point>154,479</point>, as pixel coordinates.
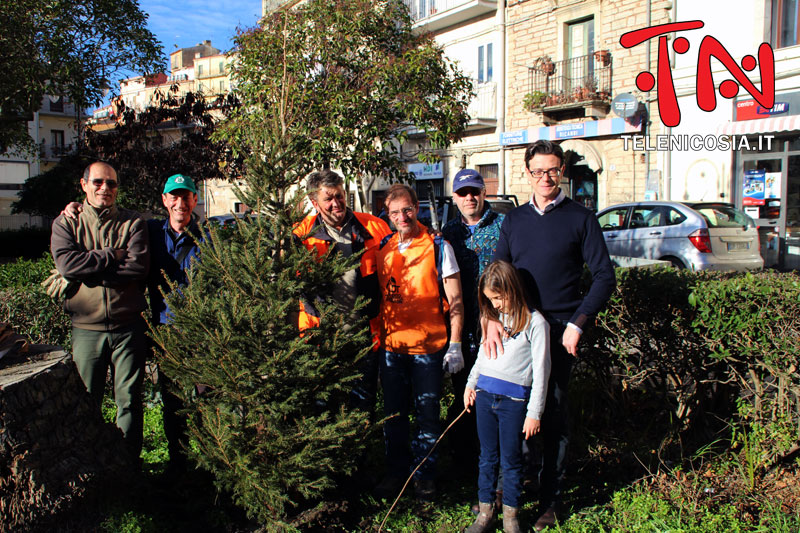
<point>549,252</point>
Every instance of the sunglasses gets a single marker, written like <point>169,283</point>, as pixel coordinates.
<point>111,184</point>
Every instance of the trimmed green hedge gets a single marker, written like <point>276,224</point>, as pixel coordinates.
<point>701,342</point>
<point>27,307</point>
<point>26,242</point>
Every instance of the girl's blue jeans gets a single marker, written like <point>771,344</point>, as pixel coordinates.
<point>500,420</point>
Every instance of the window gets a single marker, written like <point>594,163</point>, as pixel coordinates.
<point>579,71</point>
<point>57,138</point>
<point>222,86</point>
<point>199,70</point>
<point>57,106</point>
<point>785,22</point>
<point>614,219</point>
<point>490,177</point>
<point>580,38</point>
<point>222,67</point>
<point>657,216</point>
<point>485,63</point>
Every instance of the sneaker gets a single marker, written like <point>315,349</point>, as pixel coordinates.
<point>425,489</point>
<point>388,488</point>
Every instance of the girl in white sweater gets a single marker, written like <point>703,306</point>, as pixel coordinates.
<point>508,392</point>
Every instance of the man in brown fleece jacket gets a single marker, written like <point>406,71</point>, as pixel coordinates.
<point>104,253</point>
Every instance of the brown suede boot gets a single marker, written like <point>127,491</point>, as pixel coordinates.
<point>510,520</point>
<point>484,521</point>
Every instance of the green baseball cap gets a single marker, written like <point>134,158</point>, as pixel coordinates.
<point>179,181</point>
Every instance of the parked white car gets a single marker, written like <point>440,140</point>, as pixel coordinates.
<point>699,236</point>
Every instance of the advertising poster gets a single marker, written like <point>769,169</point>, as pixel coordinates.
<point>753,187</point>
<point>772,185</point>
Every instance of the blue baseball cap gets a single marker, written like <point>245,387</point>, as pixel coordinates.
<point>179,181</point>
<point>466,177</point>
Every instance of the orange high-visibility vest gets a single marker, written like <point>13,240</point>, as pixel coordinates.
<point>368,230</point>
<point>412,307</point>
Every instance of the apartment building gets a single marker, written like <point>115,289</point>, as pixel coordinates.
<point>200,68</point>
<point>55,129</point>
<point>471,33</point>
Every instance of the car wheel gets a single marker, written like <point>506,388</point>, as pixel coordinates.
<point>675,262</point>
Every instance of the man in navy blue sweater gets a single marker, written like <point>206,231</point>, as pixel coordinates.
<point>549,240</point>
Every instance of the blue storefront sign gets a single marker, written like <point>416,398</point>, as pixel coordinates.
<point>570,131</point>
<point>514,137</point>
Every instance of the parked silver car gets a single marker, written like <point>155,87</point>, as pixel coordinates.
<point>699,236</point>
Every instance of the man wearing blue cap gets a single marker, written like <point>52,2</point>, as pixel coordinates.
<point>474,237</point>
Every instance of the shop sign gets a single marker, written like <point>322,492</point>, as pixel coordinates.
<point>424,171</point>
<point>570,131</point>
<point>750,110</point>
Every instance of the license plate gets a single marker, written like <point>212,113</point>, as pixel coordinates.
<point>738,246</point>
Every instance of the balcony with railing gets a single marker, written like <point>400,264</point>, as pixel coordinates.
<point>483,108</point>
<point>579,86</point>
<point>432,15</point>
<point>53,152</point>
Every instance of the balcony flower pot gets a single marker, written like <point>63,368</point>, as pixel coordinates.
<point>603,57</point>
<point>534,100</point>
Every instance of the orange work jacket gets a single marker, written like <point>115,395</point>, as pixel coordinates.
<point>368,231</point>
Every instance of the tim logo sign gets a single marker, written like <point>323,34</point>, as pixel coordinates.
<point>706,94</point>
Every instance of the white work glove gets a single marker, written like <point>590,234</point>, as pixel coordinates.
<point>453,358</point>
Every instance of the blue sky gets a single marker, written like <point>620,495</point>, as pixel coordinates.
<point>183,23</point>
<point>188,22</point>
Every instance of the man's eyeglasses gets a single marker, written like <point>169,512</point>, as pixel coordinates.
<point>111,184</point>
<point>552,172</point>
<point>407,211</point>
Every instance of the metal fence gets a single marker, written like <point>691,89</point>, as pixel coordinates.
<point>15,222</point>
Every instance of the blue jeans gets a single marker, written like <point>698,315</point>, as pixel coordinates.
<point>500,421</point>
<point>402,374</point>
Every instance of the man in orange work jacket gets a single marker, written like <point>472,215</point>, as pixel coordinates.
<point>349,233</point>
<point>420,284</point>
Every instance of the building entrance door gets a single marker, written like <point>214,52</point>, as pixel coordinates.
<point>767,213</point>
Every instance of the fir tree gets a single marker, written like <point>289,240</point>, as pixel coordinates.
<point>273,427</point>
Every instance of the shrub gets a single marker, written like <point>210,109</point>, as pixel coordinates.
<point>25,272</point>
<point>25,305</point>
<point>25,242</point>
<point>31,312</point>
<point>700,342</point>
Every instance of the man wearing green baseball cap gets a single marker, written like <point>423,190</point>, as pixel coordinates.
<point>173,248</point>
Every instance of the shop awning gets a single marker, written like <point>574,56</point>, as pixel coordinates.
<point>584,148</point>
<point>760,125</point>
